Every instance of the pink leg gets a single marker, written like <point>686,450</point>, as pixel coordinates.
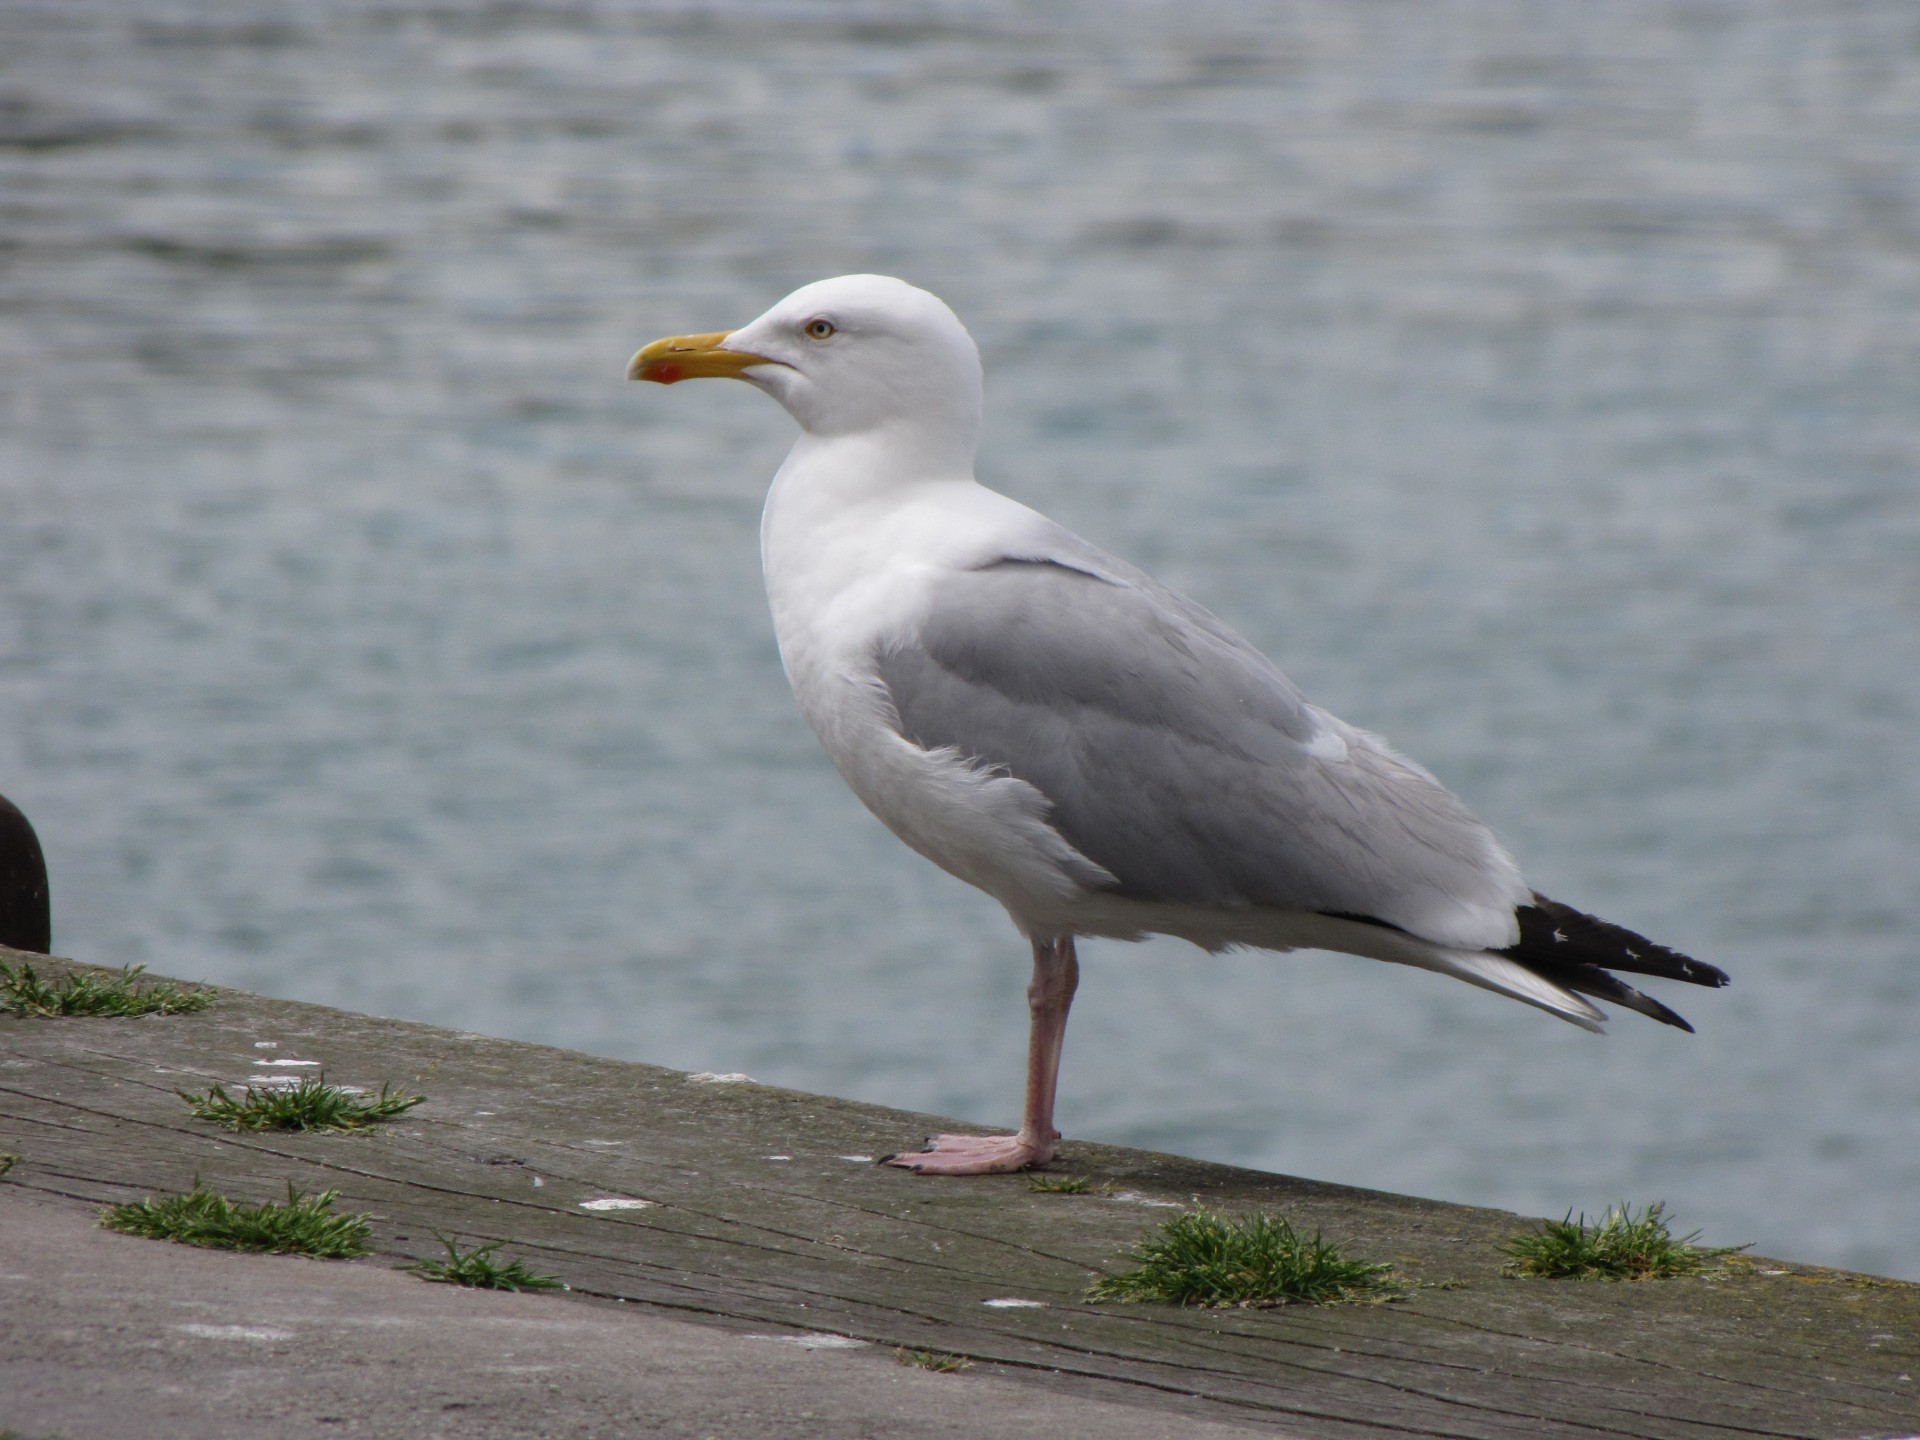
<point>1056,974</point>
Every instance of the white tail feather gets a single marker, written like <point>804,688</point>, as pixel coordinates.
<point>1504,976</point>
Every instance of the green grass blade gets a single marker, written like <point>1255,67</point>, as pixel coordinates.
<point>312,1104</point>
<point>24,993</point>
<point>1201,1258</point>
<point>478,1270</point>
<point>1618,1246</point>
<point>302,1225</point>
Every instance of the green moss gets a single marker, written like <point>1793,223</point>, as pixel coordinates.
<point>1201,1258</point>
<point>938,1361</point>
<point>1057,1184</point>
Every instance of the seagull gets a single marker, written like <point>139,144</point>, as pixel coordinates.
<point>1099,754</point>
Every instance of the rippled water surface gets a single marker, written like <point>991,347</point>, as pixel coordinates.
<point>1536,381</point>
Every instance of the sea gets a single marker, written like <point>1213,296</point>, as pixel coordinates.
<point>1537,381</point>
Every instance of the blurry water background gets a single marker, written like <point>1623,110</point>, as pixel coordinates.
<point>1538,382</point>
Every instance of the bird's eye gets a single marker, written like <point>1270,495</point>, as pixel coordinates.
<point>818,329</point>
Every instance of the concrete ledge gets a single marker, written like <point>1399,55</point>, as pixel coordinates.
<point>762,1212</point>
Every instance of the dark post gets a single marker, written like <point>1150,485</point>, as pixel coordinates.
<point>26,921</point>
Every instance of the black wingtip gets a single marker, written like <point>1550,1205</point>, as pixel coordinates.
<point>1580,951</point>
<point>1655,1010</point>
<point>1554,934</point>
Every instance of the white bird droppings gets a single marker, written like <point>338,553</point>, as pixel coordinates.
<point>1134,1197</point>
<point>815,1342</point>
<point>732,1077</point>
<point>616,1202</point>
<point>255,1333</point>
<point>1009,1303</point>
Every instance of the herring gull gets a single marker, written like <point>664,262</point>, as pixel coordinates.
<point>1097,753</point>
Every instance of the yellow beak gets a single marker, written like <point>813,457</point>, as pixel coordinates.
<point>691,357</point>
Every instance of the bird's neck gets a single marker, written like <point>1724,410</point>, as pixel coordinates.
<point>837,494</point>
<point>852,469</point>
<point>849,525</point>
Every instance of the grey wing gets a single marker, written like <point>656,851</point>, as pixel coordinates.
<point>1179,758</point>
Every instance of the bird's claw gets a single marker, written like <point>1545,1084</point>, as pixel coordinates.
<point>970,1155</point>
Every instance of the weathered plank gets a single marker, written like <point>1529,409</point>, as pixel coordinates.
<point>764,1208</point>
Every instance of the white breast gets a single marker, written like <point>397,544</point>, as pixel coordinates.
<point>848,570</point>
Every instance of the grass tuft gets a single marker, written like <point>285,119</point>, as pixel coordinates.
<point>303,1225</point>
<point>313,1104</point>
<point>940,1362</point>
<point>1618,1246</point>
<point>24,993</point>
<point>478,1270</point>
<point>1201,1258</point>
<point>1057,1184</point>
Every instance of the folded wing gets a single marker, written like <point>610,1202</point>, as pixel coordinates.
<point>1179,758</point>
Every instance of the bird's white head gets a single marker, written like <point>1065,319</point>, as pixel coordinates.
<point>856,355</point>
